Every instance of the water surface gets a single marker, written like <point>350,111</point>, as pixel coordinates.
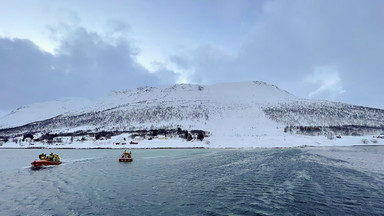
<point>311,181</point>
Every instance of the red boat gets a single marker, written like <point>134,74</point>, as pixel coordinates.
<point>41,163</point>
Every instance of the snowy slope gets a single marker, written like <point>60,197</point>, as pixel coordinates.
<point>42,111</point>
<point>176,96</point>
<point>255,112</point>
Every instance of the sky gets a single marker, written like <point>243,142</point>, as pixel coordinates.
<point>328,50</point>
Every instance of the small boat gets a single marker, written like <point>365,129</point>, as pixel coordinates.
<point>53,159</point>
<point>41,163</point>
<point>121,159</point>
<point>126,157</point>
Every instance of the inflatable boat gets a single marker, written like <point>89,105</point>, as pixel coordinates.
<point>126,157</point>
<point>121,159</point>
<point>41,163</point>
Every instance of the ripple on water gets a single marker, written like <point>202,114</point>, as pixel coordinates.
<point>193,182</point>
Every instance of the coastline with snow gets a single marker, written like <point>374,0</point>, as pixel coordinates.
<point>286,141</point>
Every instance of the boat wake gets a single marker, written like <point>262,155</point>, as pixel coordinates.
<point>79,160</point>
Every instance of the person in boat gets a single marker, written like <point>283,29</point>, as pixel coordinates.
<point>56,158</point>
<point>126,154</point>
<point>51,156</point>
<point>42,156</point>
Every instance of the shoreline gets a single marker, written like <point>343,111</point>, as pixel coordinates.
<point>159,148</point>
<point>220,142</point>
<point>105,148</point>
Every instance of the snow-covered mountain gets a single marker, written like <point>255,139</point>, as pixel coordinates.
<point>244,109</point>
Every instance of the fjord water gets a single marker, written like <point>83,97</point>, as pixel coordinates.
<point>294,181</point>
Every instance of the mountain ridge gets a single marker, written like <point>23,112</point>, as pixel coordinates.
<point>119,98</point>
<point>242,109</point>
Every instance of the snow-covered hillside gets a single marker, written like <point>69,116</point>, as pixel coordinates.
<point>254,112</point>
<point>42,111</point>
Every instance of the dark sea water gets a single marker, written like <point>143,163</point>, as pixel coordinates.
<point>295,181</point>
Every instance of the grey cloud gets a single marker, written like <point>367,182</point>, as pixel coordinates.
<point>166,76</point>
<point>207,64</point>
<point>84,65</point>
<point>293,38</point>
<point>119,26</point>
<point>24,72</point>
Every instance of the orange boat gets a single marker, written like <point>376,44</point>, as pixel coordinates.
<point>126,157</point>
<point>53,159</point>
<point>41,163</point>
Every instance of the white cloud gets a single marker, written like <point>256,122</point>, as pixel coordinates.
<point>327,79</point>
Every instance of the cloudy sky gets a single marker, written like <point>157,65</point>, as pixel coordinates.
<point>326,49</point>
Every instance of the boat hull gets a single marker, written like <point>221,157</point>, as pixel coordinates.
<point>41,163</point>
<point>125,159</point>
